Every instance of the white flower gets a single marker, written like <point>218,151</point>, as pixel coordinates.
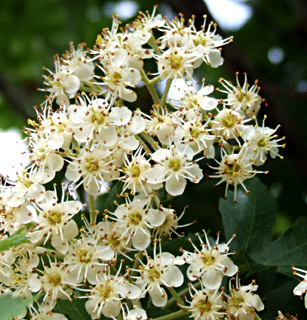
<point>158,272</point>
<point>122,71</point>
<point>138,220</point>
<point>260,141</point>
<point>85,258</point>
<point>54,282</point>
<point>62,84</point>
<point>135,174</point>
<point>196,135</point>
<point>45,152</point>
<point>170,223</point>
<point>207,43</point>
<point>111,235</point>
<point>97,120</point>
<point>301,288</point>
<point>234,169</point>
<point>193,99</point>
<point>174,166</point>
<point>229,124</point>
<point>24,280</point>
<point>176,62</point>
<point>206,304</point>
<point>242,99</point>
<point>135,314</point>
<point>12,218</point>
<point>143,25</point>
<point>55,221</point>
<point>210,263</point>
<point>93,167</point>
<point>162,123</point>
<point>29,187</point>
<point>78,64</point>
<point>242,301</point>
<point>105,298</point>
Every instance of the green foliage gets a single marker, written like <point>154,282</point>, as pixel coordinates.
<point>12,307</point>
<point>13,241</point>
<point>252,219</point>
<point>74,309</point>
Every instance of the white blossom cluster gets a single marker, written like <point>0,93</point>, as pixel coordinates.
<point>85,134</point>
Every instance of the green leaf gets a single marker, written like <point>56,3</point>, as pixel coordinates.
<point>12,307</point>
<point>252,218</point>
<point>13,241</point>
<point>288,250</point>
<point>75,309</point>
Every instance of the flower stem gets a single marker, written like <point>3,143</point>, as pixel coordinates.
<point>173,315</point>
<point>92,209</point>
<point>149,140</point>
<point>182,293</point>
<point>176,296</point>
<point>150,87</point>
<point>256,317</point>
<point>153,44</point>
<point>166,90</point>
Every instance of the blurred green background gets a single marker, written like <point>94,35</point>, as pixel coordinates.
<point>270,46</point>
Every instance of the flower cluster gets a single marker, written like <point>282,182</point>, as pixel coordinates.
<point>86,136</point>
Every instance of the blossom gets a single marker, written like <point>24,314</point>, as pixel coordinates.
<point>97,119</point>
<point>242,98</point>
<point>210,263</point>
<point>176,62</point>
<point>135,174</point>
<point>94,167</point>
<point>194,99</point>
<point>122,71</point>
<point>55,220</point>
<point>105,298</point>
<point>158,272</point>
<point>301,288</point>
<point>138,219</point>
<point>229,124</point>
<point>174,166</point>
<point>61,84</point>
<point>207,43</point>
<point>261,141</point>
<point>143,25</point>
<point>135,314</point>
<point>54,283</point>
<point>85,258</point>
<point>242,301</point>
<point>234,169</point>
<point>206,304</point>
<point>77,63</point>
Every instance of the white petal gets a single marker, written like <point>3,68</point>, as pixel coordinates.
<point>107,136</point>
<point>58,244</point>
<point>209,103</point>
<point>111,309</point>
<point>231,267</point>
<point>173,277</point>
<point>215,58</point>
<point>71,84</point>
<point>54,162</point>
<point>175,187</point>
<point>34,283</point>
<point>212,279</point>
<point>141,239</point>
<point>120,116</point>
<point>158,296</point>
<point>155,217</point>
